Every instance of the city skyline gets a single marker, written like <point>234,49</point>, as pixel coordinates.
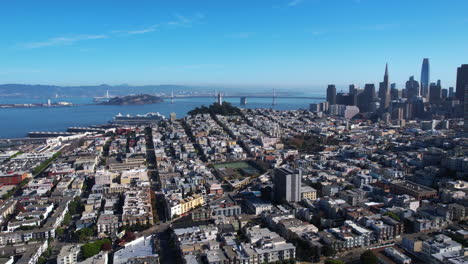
<point>267,43</point>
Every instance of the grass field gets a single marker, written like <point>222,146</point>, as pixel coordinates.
<point>232,165</point>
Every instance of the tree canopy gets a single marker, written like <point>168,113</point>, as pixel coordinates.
<point>334,261</point>
<point>225,109</point>
<point>368,257</point>
<point>90,249</point>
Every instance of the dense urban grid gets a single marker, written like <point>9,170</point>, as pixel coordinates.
<point>365,177</point>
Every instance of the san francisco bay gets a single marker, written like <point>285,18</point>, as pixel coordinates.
<point>17,122</point>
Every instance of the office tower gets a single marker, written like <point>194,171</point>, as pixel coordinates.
<point>412,88</point>
<point>425,78</point>
<point>451,94</point>
<point>407,110</point>
<point>369,90</point>
<point>353,88</point>
<point>394,92</point>
<point>365,98</point>
<point>462,82</point>
<point>398,113</point>
<point>404,94</point>
<point>418,110</point>
<point>444,94</point>
<point>384,91</point>
<point>386,117</point>
<point>331,94</point>
<point>346,98</point>
<point>435,91</point>
<point>353,98</point>
<point>342,98</point>
<point>374,106</point>
<point>466,110</point>
<point>287,185</point>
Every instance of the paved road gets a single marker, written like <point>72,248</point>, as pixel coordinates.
<point>162,227</point>
<point>168,252</point>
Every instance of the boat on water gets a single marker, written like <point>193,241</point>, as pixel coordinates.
<point>146,119</point>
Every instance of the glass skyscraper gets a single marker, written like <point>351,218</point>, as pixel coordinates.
<point>462,82</point>
<point>425,78</point>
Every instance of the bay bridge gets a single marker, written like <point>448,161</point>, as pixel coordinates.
<point>242,97</point>
<point>219,96</point>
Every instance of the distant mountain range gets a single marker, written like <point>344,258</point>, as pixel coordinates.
<point>25,90</point>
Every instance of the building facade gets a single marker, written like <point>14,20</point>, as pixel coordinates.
<point>287,185</point>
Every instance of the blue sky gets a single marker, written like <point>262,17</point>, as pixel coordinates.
<point>249,43</point>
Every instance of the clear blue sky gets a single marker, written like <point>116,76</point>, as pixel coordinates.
<point>285,43</point>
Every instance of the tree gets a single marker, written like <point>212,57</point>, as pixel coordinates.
<point>107,246</point>
<point>89,250</point>
<point>393,215</point>
<point>83,234</point>
<point>42,260</point>
<point>93,248</point>
<point>67,219</point>
<point>75,206</point>
<point>59,231</point>
<point>368,257</point>
<point>129,236</point>
<point>20,209</point>
<point>334,261</point>
<point>328,251</point>
<point>225,109</point>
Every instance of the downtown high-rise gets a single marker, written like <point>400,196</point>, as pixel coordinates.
<point>412,89</point>
<point>462,82</point>
<point>435,92</point>
<point>366,98</point>
<point>461,92</point>
<point>384,91</point>
<point>331,94</point>
<point>425,78</point>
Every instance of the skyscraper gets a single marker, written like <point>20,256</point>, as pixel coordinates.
<point>353,88</point>
<point>394,92</point>
<point>425,78</point>
<point>287,185</point>
<point>444,94</point>
<point>412,88</point>
<point>466,110</point>
<point>365,98</point>
<point>331,94</point>
<point>346,98</point>
<point>435,92</point>
<point>462,82</point>
<point>384,91</point>
<point>451,94</point>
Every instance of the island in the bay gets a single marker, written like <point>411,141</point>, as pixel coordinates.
<point>134,100</point>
